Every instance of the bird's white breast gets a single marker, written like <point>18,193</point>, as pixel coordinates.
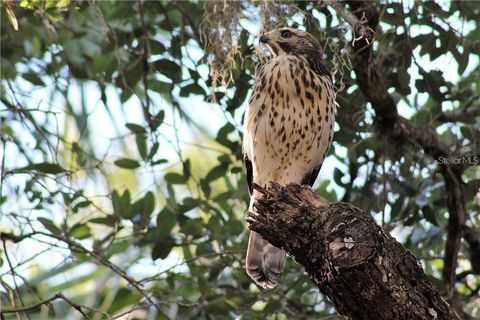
<point>289,121</point>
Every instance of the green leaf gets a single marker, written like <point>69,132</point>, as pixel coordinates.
<point>188,204</point>
<point>175,178</point>
<point>430,215</point>
<point>222,136</point>
<point>81,204</point>
<point>158,119</point>
<point>205,188</point>
<point>159,86</point>
<point>169,68</point>
<point>33,78</point>
<point>49,4</point>
<point>176,47</point>
<point>337,177</point>
<point>217,172</point>
<point>47,223</point>
<point>272,306</point>
<point>193,227</point>
<point>127,163</point>
<point>187,169</point>
<point>130,76</point>
<point>108,220</point>
<point>124,297</point>
<point>141,140</point>
<point>121,203</point>
<point>62,4</point>
<point>142,209</point>
<point>162,248</point>
<point>44,167</point>
<point>166,221</point>
<point>471,188</point>
<point>135,128</point>
<point>153,150</point>
<point>193,88</point>
<point>80,231</point>
<point>160,161</point>
<point>157,47</point>
<point>329,195</point>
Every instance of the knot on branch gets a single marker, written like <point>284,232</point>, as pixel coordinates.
<point>353,241</point>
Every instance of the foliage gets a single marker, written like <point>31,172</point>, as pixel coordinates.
<point>123,188</point>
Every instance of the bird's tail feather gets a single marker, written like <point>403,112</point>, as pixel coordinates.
<point>264,262</point>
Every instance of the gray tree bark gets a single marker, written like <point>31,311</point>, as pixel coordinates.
<point>363,270</point>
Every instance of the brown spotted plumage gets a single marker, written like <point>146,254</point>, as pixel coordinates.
<point>288,131</point>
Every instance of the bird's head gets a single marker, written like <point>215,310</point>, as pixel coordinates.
<point>290,41</point>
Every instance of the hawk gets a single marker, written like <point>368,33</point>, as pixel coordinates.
<point>288,130</point>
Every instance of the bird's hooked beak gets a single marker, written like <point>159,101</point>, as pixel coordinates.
<point>269,39</point>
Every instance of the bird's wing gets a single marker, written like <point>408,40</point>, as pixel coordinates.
<point>310,177</point>
<point>249,172</point>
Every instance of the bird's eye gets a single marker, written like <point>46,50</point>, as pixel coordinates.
<point>286,34</point>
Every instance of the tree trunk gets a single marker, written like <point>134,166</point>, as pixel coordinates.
<point>363,270</point>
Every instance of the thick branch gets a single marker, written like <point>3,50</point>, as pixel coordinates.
<point>373,86</point>
<point>365,272</point>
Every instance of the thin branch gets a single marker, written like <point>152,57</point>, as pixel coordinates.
<point>14,275</point>
<point>74,246</point>
<point>196,33</point>
<point>2,170</point>
<point>146,67</point>
<point>59,295</point>
<point>32,306</point>
<point>466,114</point>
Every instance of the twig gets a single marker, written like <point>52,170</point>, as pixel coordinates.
<point>188,16</point>
<point>2,170</point>
<point>74,246</point>
<point>466,114</point>
<point>146,67</point>
<point>58,295</point>
<point>14,275</point>
<point>32,306</point>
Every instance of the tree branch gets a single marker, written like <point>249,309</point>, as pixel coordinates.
<point>31,307</point>
<point>467,114</point>
<point>146,68</point>
<point>398,128</point>
<point>365,272</point>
